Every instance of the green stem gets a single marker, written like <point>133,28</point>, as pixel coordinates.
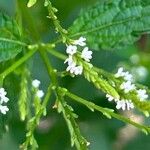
<point>69,116</point>
<point>36,119</point>
<point>51,72</point>
<point>105,110</point>
<point>57,54</point>
<point>56,22</point>
<point>17,64</point>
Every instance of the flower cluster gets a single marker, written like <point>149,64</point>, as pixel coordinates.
<point>127,86</point>
<point>3,100</point>
<point>121,104</point>
<point>39,93</point>
<point>71,50</point>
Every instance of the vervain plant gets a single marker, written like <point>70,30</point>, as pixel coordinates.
<point>105,25</point>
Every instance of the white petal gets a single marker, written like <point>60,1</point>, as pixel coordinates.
<point>40,93</point>
<point>36,83</point>
<point>3,109</point>
<point>71,49</point>
<point>80,41</point>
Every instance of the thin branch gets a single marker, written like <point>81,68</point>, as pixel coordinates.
<point>105,111</point>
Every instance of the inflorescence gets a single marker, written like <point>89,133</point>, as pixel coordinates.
<point>127,86</point>
<point>39,93</point>
<point>3,100</point>
<point>71,50</point>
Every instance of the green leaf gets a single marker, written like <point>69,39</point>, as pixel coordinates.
<point>10,38</point>
<point>112,24</point>
<point>31,3</point>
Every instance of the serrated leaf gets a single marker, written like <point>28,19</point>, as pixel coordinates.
<point>113,24</point>
<point>10,38</point>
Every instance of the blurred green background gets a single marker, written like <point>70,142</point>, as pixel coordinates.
<point>52,133</point>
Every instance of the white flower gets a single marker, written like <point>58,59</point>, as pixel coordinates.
<point>2,92</point>
<point>110,98</point>
<point>126,75</point>
<point>40,94</point>
<point>88,143</point>
<point>129,104</point>
<point>69,60</point>
<point>3,109</point>
<point>121,104</point>
<point>71,67</point>
<point>120,73</point>
<point>36,83</point>
<point>127,86</point>
<point>86,54</point>
<point>4,100</point>
<point>78,70</point>
<point>142,94</point>
<point>71,49</point>
<point>124,104</point>
<point>80,41</point>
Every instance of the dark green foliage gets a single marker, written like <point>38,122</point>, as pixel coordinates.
<point>113,24</point>
<point>10,38</point>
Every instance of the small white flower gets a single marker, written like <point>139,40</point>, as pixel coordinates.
<point>71,67</point>
<point>4,100</point>
<point>69,60</point>
<point>128,76</point>
<point>36,83</point>
<point>78,70</point>
<point>71,49</point>
<point>88,143</point>
<point>2,92</point>
<point>121,104</point>
<point>120,73</point>
<point>129,104</point>
<point>127,86</point>
<point>142,94</point>
<point>86,54</point>
<point>110,98</point>
<point>80,41</point>
<point>40,94</point>
<point>124,104</point>
<point>3,109</point>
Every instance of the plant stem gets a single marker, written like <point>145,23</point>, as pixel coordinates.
<point>36,119</point>
<point>49,67</point>
<point>52,10</point>
<point>105,110</point>
<point>57,54</point>
<point>17,64</point>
